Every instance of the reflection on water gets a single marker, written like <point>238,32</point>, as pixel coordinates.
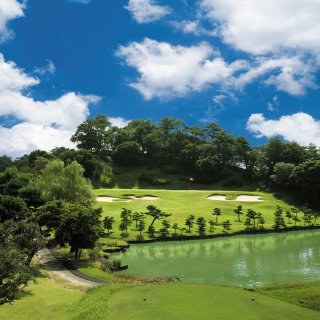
<point>239,261</point>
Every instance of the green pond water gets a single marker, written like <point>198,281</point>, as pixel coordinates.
<point>237,261</point>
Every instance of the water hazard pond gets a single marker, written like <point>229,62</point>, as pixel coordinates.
<point>237,261</point>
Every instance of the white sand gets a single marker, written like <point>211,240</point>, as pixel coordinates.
<point>111,199</point>
<point>242,198</point>
<point>246,198</point>
<point>148,198</point>
<point>217,197</point>
<point>106,199</point>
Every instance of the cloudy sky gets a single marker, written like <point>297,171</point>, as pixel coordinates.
<point>251,66</point>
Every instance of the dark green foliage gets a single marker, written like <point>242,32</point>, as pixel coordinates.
<point>79,226</point>
<point>156,214</point>
<point>95,135</point>
<point>128,153</point>
<point>190,222</point>
<point>253,216</point>
<point>108,223</point>
<point>226,225</point>
<point>216,212</point>
<point>238,211</point>
<point>12,208</point>
<point>164,231</point>
<point>19,241</point>
<point>201,223</point>
<point>279,222</point>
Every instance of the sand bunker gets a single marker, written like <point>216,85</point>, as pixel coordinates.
<point>242,198</point>
<point>217,197</point>
<point>148,198</point>
<point>128,199</point>
<point>110,199</point>
<point>246,198</point>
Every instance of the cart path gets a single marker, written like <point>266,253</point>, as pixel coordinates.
<point>56,269</point>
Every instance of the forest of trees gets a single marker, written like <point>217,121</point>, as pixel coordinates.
<point>208,154</point>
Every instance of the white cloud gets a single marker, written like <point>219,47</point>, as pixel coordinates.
<point>146,11</point>
<point>81,1</point>
<point>273,104</point>
<point>299,127</point>
<point>288,74</point>
<point>266,26</point>
<point>166,70</point>
<point>192,27</point>
<point>119,122</point>
<point>9,10</point>
<point>43,124</point>
<point>50,68</point>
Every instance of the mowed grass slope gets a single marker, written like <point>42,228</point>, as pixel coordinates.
<point>181,203</point>
<point>183,302</point>
<point>43,300</point>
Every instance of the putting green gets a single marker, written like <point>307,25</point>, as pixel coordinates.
<point>189,301</point>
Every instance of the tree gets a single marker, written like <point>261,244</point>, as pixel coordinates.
<point>190,222</point>
<point>201,222</point>
<point>175,227</point>
<point>80,226</point>
<point>128,153</point>
<point>226,225</point>
<point>253,216</point>
<point>165,228</point>
<point>19,241</point>
<point>125,220</point>
<point>108,223</point>
<point>261,220</point>
<point>216,212</point>
<point>278,219</point>
<point>238,211</point>
<point>156,214</point>
<point>137,216</point>
<point>141,225</point>
<point>12,208</point>
<point>59,182</point>
<point>94,135</point>
<point>288,216</point>
<point>247,223</point>
<point>151,231</point>
<point>211,224</point>
<point>282,174</point>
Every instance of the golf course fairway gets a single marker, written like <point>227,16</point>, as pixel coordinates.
<point>200,302</point>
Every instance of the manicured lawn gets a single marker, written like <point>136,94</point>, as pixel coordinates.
<point>44,300</point>
<point>184,301</point>
<point>181,203</point>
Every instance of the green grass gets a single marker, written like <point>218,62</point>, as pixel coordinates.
<point>303,294</point>
<point>42,300</point>
<point>46,300</point>
<point>183,301</point>
<point>181,203</point>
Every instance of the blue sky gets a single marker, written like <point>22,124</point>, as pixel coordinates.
<point>252,67</point>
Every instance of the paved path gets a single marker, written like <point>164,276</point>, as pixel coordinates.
<point>55,269</point>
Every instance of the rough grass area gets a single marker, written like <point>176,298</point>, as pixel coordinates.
<point>182,203</point>
<point>303,294</point>
<point>184,301</point>
<point>128,178</point>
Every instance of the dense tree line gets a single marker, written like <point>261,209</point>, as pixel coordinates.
<point>209,154</point>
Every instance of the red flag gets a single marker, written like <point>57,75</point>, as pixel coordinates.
<point>191,179</point>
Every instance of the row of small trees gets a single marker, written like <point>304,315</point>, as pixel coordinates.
<point>253,220</point>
